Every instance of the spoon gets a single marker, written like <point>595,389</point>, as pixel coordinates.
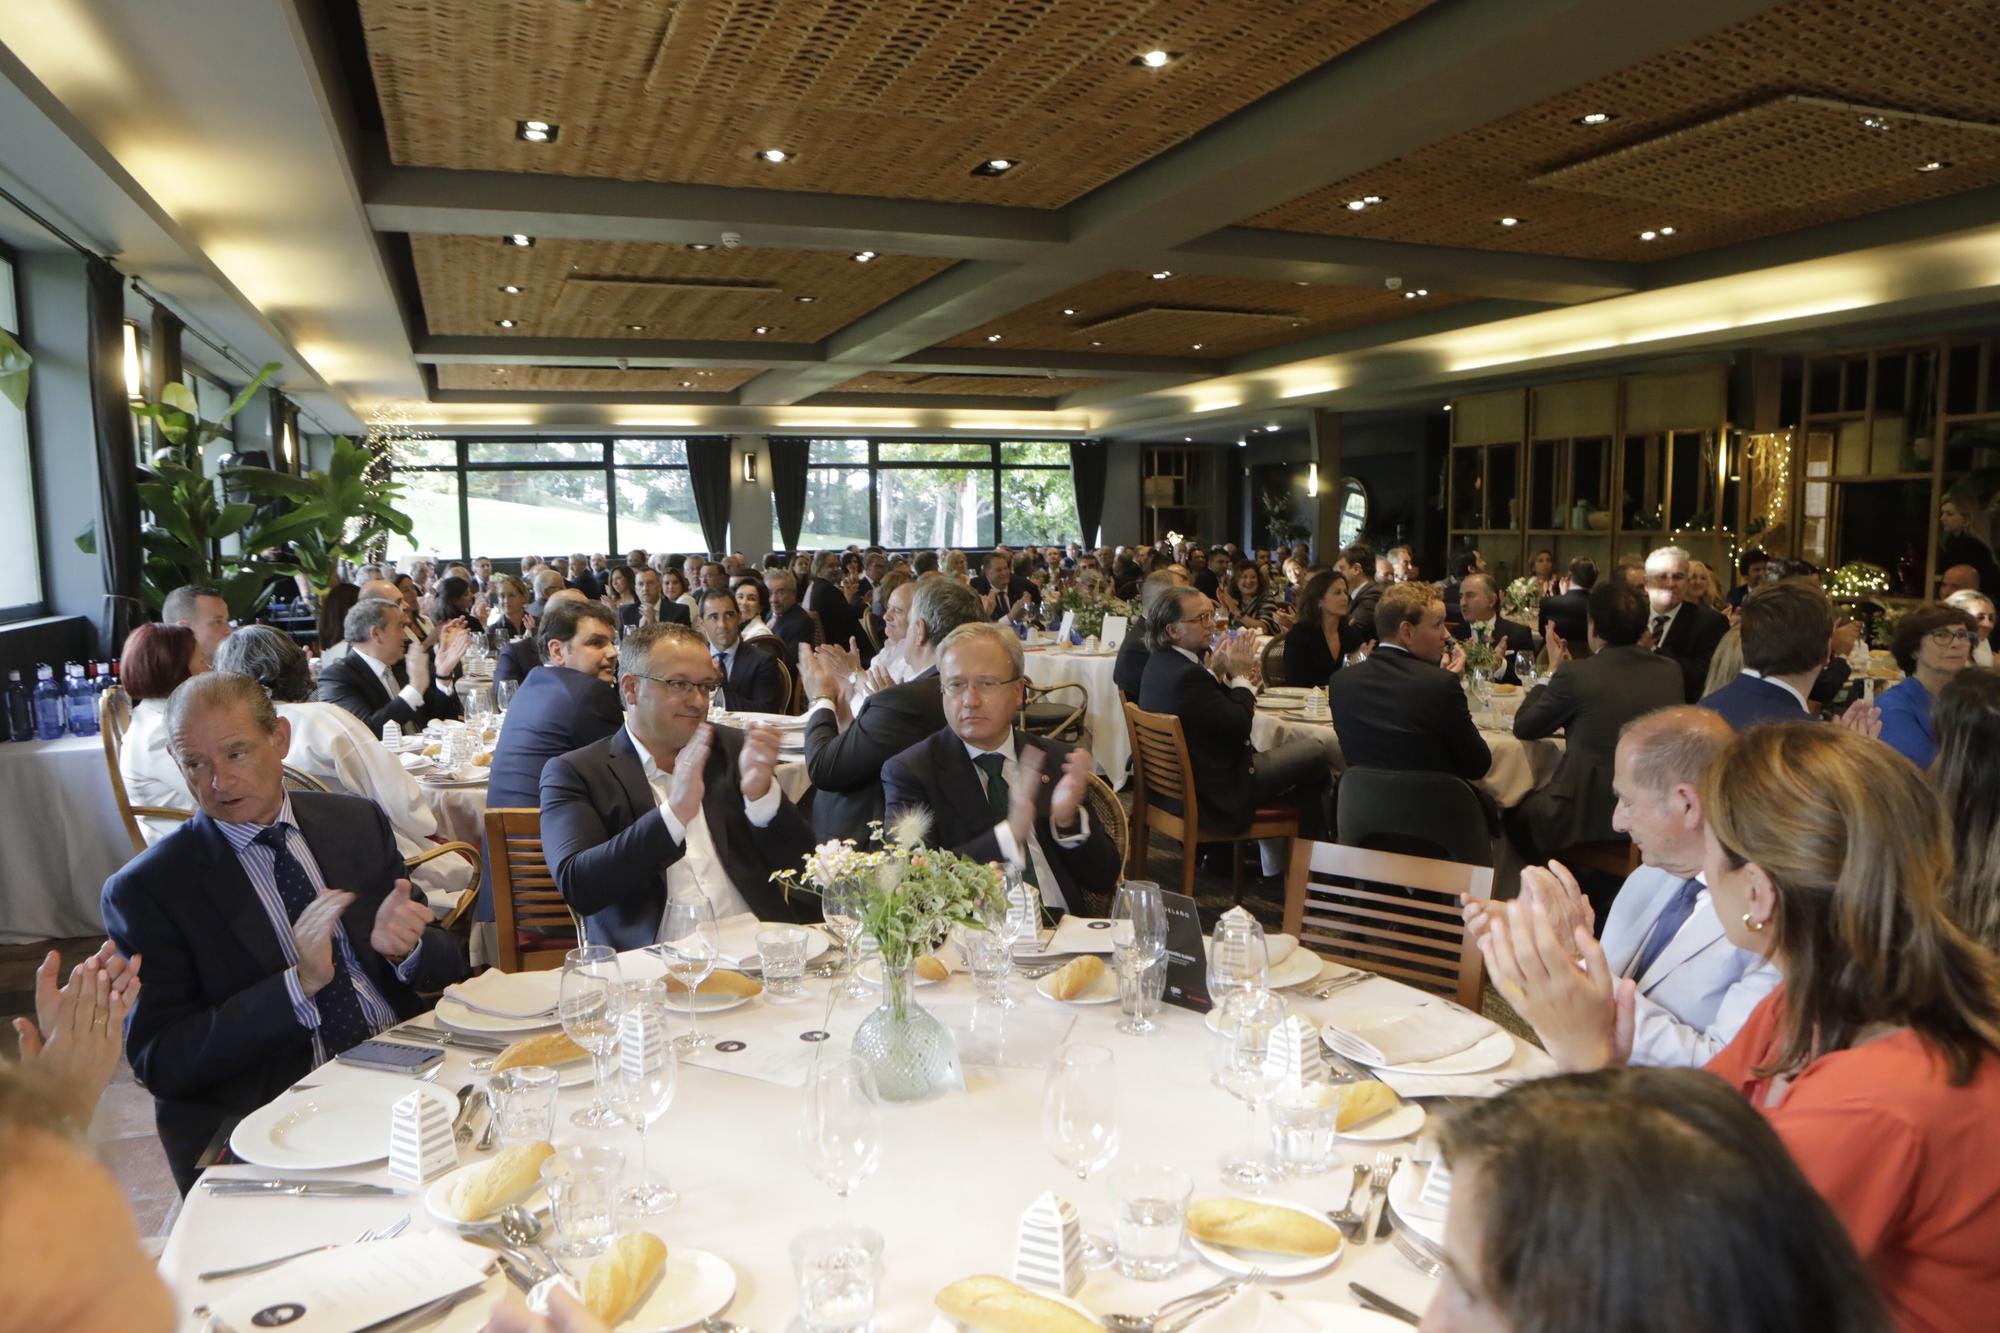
<point>522,1227</point>
<point>1347,1219</point>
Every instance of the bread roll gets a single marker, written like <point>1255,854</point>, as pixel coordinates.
<point>550,1048</point>
<point>931,968</point>
<point>483,758</point>
<point>995,1305</point>
<point>1242,1224</point>
<point>1362,1102</point>
<point>1076,976</point>
<point>722,983</point>
<point>617,1278</point>
<point>483,1190</point>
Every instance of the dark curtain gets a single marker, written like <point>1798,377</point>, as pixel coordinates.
<point>708,478</point>
<point>1087,462</point>
<point>117,475</point>
<point>788,488</point>
<point>165,346</point>
<point>284,413</point>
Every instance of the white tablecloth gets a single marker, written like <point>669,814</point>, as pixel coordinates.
<point>1110,746</point>
<point>956,1173</point>
<point>1518,766</point>
<point>60,840</point>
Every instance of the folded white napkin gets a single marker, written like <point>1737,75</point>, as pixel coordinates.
<point>1384,1023</point>
<point>1080,934</point>
<point>509,994</point>
<point>1253,1310</point>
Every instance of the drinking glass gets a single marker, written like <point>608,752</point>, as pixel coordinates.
<point>503,693</point>
<point>837,1269</point>
<point>648,1071</point>
<point>588,1004</point>
<point>1149,1219</point>
<point>841,905</point>
<point>1525,670</point>
<point>1480,679</point>
<point>1080,1121</point>
<point>583,1199</point>
<point>840,1126</point>
<point>990,961</point>
<point>1237,959</point>
<point>1250,1019</point>
<point>1302,1128</point>
<point>1138,950</point>
<point>688,946</point>
<point>781,952</point>
<point>524,1104</point>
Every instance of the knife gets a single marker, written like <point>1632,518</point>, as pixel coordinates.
<point>1375,1301</point>
<point>275,1189</point>
<point>283,1182</point>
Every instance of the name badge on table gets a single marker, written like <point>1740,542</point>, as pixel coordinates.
<point>1068,627</point>
<point>1113,633</point>
<point>1187,960</point>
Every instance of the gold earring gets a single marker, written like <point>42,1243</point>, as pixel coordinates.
<point>1753,925</point>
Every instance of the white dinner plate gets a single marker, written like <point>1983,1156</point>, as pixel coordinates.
<point>705,1004</point>
<point>1231,1260</point>
<point>1213,1018</point>
<point>1104,990</point>
<point>456,1017</point>
<point>943,1323</point>
<point>1280,705</point>
<point>439,1194</point>
<point>1401,1123</point>
<point>694,1285</point>
<point>817,943</point>
<point>1404,1187</point>
<point>1300,966</point>
<point>1328,1317</point>
<point>1489,1052</point>
<point>334,1125</point>
<point>871,972</point>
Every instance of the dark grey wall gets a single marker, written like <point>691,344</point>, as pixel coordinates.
<point>59,419</point>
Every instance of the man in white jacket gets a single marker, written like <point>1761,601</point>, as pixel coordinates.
<point>1694,989</point>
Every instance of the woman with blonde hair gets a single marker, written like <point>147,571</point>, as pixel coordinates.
<point>1877,1058</point>
<point>1727,664</point>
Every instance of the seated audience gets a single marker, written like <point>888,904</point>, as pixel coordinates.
<point>754,677</point>
<point>1465,561</point>
<point>823,596</point>
<point>888,622</point>
<point>1641,1200</point>
<point>1317,642</point>
<point>1955,579</point>
<point>619,591</point>
<point>787,619</point>
<point>1980,607</point>
<point>1787,636</point>
<point>332,620</point>
<point>1480,622</point>
<point>995,793</point>
<point>1004,594</point>
<point>1750,570</point>
<point>1249,601</point>
<point>202,610</point>
<point>508,620</point>
<point>157,658</point>
<point>1356,564</point>
<point>1683,631</point>
<point>846,751</point>
<point>277,928</point>
<point>1960,545</point>
<point>330,745</point>
<point>548,581</point>
<point>1967,778</point>
<point>651,604</point>
<point>1701,589</point>
<point>1932,644</point>
<point>1398,708</point>
<point>387,677</point>
<point>752,607</point>
<point>668,801</point>
<point>1875,1059</point>
<point>1568,610</point>
<point>1128,671</point>
<point>1590,702</point>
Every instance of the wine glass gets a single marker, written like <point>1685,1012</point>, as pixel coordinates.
<point>688,945</point>
<point>841,907</point>
<point>1245,1075</point>
<point>1138,946</point>
<point>648,1071</point>
<point>1080,1121</point>
<point>503,693</point>
<point>1524,669</point>
<point>840,1128</point>
<point>1021,917</point>
<point>589,1003</point>
<point>1237,959</point>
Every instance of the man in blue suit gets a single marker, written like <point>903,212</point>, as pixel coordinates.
<point>754,677</point>
<point>277,927</point>
<point>1787,631</point>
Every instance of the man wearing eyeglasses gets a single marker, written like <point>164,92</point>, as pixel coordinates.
<point>669,801</point>
<point>998,794</point>
<point>751,679</point>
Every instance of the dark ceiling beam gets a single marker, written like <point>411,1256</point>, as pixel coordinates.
<point>483,350</point>
<point>1451,68</point>
<point>543,397</point>
<point>1347,261</point>
<point>978,402</point>
<point>1043,361</point>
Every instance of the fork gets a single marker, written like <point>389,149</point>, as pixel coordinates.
<point>373,1233</point>
<point>1142,1323</point>
<point>1378,1194</point>
<point>1340,983</point>
<point>1411,1250</point>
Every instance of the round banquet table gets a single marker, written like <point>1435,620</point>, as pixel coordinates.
<point>63,839</point>
<point>1110,746</point>
<point>956,1173</point>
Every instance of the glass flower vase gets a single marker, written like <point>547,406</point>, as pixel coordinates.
<point>911,1054</point>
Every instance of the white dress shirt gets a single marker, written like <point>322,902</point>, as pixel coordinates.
<point>1652,616</point>
<point>409,694</point>
<point>1235,682</point>
<point>151,775</point>
<point>1784,685</point>
<point>700,867</point>
<point>1699,990</point>
<point>1003,833</point>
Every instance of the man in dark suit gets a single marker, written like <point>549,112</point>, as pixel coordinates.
<point>669,802</point>
<point>1128,672</point>
<point>1000,589</point>
<point>276,928</point>
<point>997,794</point>
<point>1687,632</point>
<point>1787,631</point>
<point>1356,564</point>
<point>753,676</point>
<point>1480,622</point>
<point>1399,708</point>
<point>1214,703</point>
<point>846,751</point>
<point>788,620</point>
<point>385,677</point>
<point>517,659</point>
<point>1569,610</point>
<point>653,606</point>
<point>821,596</point>
<point>582,579</point>
<point>1589,701</point>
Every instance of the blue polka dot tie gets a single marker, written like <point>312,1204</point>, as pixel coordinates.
<point>342,1024</point>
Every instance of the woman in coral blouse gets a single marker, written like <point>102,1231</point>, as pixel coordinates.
<point>1878,1058</point>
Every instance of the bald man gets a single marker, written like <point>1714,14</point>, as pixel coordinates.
<point>1959,578</point>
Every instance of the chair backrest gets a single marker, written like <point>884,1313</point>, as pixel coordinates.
<point>1413,813</point>
<point>525,897</point>
<point>1272,662</point>
<point>795,698</point>
<point>294,780</point>
<point>1061,712</point>
<point>117,720</point>
<point>1398,916</point>
<point>1108,813</point>
<point>819,627</point>
<point>114,711</point>
<point>1159,754</point>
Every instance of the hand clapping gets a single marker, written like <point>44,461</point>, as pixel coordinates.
<point>1071,787</point>
<point>685,790</point>
<point>77,1050</point>
<point>1583,1014</point>
<point>758,761</point>
<point>312,938</point>
<point>400,923</point>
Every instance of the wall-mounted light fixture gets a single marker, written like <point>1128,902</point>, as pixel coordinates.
<point>135,378</point>
<point>288,448</point>
<point>750,466</point>
<point>1312,479</point>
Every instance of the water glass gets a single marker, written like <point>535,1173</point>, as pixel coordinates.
<point>524,1104</point>
<point>1080,1121</point>
<point>1238,962</point>
<point>840,1124</point>
<point>838,1269</point>
<point>588,1004</point>
<point>782,952</point>
<point>1149,1219</point>
<point>1302,1129</point>
<point>990,961</point>
<point>583,1199</point>
<point>648,1073</point>
<point>841,905</point>
<point>689,946</point>
<point>1138,952</point>
<point>1248,1022</point>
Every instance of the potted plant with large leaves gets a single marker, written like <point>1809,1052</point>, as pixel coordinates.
<point>334,516</point>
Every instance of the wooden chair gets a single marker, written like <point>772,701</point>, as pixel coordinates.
<point>795,687</point>
<point>819,628</point>
<point>1108,813</point>
<point>1272,661</point>
<point>535,926</point>
<point>1163,798</point>
<point>117,720</point>
<point>297,781</point>
<point>1057,711</point>
<point>1398,916</point>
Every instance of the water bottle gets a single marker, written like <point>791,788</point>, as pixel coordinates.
<point>51,708</point>
<point>20,709</point>
<point>82,702</point>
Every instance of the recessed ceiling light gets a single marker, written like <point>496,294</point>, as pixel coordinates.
<point>863,256</point>
<point>511,289</point>
<point>1666,231</point>
<point>1187,439</point>
<point>1156,59</point>
<point>699,245</point>
<point>1371,199</point>
<point>1594,118</point>
<point>1068,311</point>
<point>635,328</point>
<point>764,328</point>
<point>993,337</point>
<point>773,155</point>
<point>1301,284</point>
<point>504,323</point>
<point>1510,222</point>
<point>536,131</point>
<point>521,239</point>
<point>805,300</point>
<point>995,166</point>
<point>1095,343</point>
<point>1933,166</point>
<point>1874,123</point>
<point>1242,444</point>
<point>1447,407</point>
<point>1649,236</point>
<point>1271,429</point>
<point>1196,346</point>
<point>1163,275</point>
<point>1355,205</point>
<point>687,384</point>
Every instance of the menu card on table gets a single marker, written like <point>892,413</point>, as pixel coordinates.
<point>1187,960</point>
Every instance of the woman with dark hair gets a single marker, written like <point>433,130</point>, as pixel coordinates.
<point>510,613</point>
<point>157,658</point>
<point>1640,1200</point>
<point>1877,1058</point>
<point>751,603</point>
<point>1542,569</point>
<point>1246,595</point>
<point>1967,778</point>
<point>333,609</point>
<point>451,600</point>
<point>1314,647</point>
<point>1932,644</point>
<point>619,589</point>
<point>421,624</point>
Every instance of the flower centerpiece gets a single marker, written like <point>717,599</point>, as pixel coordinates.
<point>1089,611</point>
<point>1481,657</point>
<point>1522,601</point>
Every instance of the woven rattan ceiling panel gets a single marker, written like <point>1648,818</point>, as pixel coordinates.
<point>591,379</point>
<point>1137,314</point>
<point>873,98</point>
<point>1935,57</point>
<point>997,386</point>
<point>595,289</point>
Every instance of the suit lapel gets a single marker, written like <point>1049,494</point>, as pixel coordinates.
<point>630,771</point>
<point>233,896</point>
<point>959,781</point>
<point>1701,931</point>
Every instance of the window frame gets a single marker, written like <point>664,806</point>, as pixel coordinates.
<point>993,464</point>
<point>38,607</point>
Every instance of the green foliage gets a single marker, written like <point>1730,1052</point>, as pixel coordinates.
<point>1090,611</point>
<point>14,364</point>
<point>328,517</point>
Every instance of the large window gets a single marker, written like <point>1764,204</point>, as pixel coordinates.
<point>920,493</point>
<point>18,552</point>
